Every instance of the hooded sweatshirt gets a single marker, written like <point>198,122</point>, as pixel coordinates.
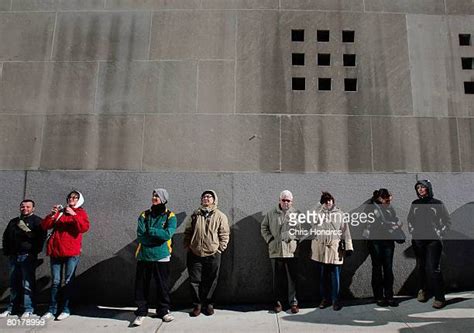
<point>66,237</point>
<point>428,217</point>
<point>207,230</point>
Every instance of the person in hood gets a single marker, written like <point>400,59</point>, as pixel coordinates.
<point>206,236</point>
<point>282,245</point>
<point>428,221</point>
<point>332,243</point>
<point>64,247</point>
<point>156,226</point>
<point>22,241</point>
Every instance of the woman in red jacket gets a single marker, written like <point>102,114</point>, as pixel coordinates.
<point>64,248</point>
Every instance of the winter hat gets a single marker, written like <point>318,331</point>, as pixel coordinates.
<point>80,201</point>
<point>162,194</point>
<point>210,193</point>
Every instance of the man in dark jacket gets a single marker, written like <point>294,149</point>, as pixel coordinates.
<point>428,222</point>
<point>22,241</point>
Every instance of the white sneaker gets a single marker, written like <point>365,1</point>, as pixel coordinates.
<point>138,321</point>
<point>47,315</point>
<point>63,315</point>
<point>167,318</point>
<point>5,314</point>
<point>26,315</point>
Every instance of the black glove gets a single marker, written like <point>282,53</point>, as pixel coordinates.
<point>349,253</point>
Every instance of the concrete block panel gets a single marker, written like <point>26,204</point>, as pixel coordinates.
<point>461,104</point>
<point>193,35</point>
<point>466,144</point>
<point>239,4</point>
<point>152,4</point>
<point>51,87</point>
<point>92,142</point>
<point>13,187</point>
<point>325,144</point>
<point>189,142</point>
<point>5,5</point>
<point>429,58</point>
<point>147,87</point>
<point>380,66</point>
<point>459,7</point>
<point>21,142</point>
<point>349,5</point>
<point>102,36</point>
<point>42,5</point>
<point>26,36</point>
<point>216,87</point>
<point>406,6</point>
<point>415,144</point>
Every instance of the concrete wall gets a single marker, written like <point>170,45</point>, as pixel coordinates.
<point>116,97</point>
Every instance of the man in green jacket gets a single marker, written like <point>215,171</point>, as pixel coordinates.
<point>155,229</point>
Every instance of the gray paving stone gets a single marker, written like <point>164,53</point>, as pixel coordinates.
<point>52,87</point>
<point>193,35</point>
<point>251,143</point>
<point>43,5</point>
<point>152,4</point>
<point>350,5</point>
<point>239,4</point>
<point>326,144</point>
<point>466,143</point>
<point>406,6</point>
<point>216,87</point>
<point>26,36</point>
<point>102,36</point>
<point>147,87</point>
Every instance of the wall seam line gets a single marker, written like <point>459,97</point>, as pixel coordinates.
<point>459,145</point>
<point>143,143</point>
<point>54,35</point>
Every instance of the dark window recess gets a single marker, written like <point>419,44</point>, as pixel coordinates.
<point>324,84</point>
<point>350,84</point>
<point>297,35</point>
<point>469,87</point>
<point>298,83</point>
<point>324,59</point>
<point>322,35</point>
<point>348,36</point>
<point>464,39</point>
<point>297,59</point>
<point>349,60</point>
<point>467,63</point>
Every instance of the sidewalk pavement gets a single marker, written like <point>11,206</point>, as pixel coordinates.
<point>355,316</point>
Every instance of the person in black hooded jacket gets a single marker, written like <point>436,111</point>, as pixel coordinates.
<point>428,221</point>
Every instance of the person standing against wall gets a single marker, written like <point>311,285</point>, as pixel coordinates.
<point>22,240</point>
<point>428,221</point>
<point>206,236</point>
<point>275,231</point>
<point>156,226</point>
<point>64,248</point>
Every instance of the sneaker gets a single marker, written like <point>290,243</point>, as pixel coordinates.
<point>392,303</point>
<point>294,308</point>
<point>47,315</point>
<point>324,304</point>
<point>277,308</point>
<point>63,315</point>
<point>167,318</point>
<point>336,306</point>
<point>210,309</point>
<point>439,304</point>
<point>26,315</point>
<point>196,311</point>
<point>422,297</point>
<point>5,314</point>
<point>138,321</point>
<point>382,303</point>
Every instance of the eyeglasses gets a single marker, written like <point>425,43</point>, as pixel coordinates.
<point>155,195</point>
<point>286,200</point>
<point>207,196</point>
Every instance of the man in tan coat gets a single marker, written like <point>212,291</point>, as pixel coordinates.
<point>205,237</point>
<point>282,244</point>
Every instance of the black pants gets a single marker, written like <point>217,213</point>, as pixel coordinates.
<point>203,276</point>
<point>284,272</point>
<point>428,257</point>
<point>160,271</point>
<point>381,253</point>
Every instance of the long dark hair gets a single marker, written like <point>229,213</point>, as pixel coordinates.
<point>381,193</point>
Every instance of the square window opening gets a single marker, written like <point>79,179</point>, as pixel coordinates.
<point>324,84</point>
<point>322,35</point>
<point>298,83</point>
<point>465,39</point>
<point>297,35</point>
<point>324,59</point>
<point>348,36</point>
<point>467,63</point>
<point>297,59</point>
<point>349,60</point>
<point>469,87</point>
<point>350,84</point>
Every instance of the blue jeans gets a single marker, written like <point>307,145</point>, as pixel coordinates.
<point>22,280</point>
<point>381,253</point>
<point>330,281</point>
<point>58,266</point>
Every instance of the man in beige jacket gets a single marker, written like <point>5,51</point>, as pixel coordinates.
<point>275,230</point>
<point>205,237</point>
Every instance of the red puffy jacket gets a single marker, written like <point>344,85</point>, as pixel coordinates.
<point>66,239</point>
